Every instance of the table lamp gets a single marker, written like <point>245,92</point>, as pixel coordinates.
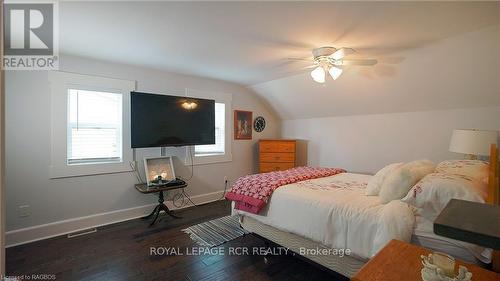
<point>472,142</point>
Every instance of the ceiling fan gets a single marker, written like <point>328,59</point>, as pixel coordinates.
<point>331,60</point>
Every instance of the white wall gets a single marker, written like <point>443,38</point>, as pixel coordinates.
<point>28,146</point>
<point>365,143</point>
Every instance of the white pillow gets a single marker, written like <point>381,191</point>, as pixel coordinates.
<point>375,182</point>
<point>432,193</point>
<point>472,168</point>
<point>400,180</point>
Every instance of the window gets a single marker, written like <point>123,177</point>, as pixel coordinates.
<point>220,135</point>
<point>94,127</point>
<point>90,125</point>
<point>221,150</point>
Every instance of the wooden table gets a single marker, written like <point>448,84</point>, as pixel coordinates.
<point>143,188</point>
<point>400,261</point>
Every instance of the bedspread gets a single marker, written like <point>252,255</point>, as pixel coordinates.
<point>251,193</point>
<point>335,212</point>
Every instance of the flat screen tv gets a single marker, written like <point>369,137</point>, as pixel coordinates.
<point>163,120</point>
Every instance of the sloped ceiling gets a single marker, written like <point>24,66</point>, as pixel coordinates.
<point>458,72</point>
<point>428,55</point>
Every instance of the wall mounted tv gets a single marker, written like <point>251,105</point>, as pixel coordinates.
<point>163,120</point>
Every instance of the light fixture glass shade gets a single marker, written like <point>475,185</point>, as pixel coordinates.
<point>474,142</point>
<point>335,72</point>
<point>189,105</point>
<point>318,74</point>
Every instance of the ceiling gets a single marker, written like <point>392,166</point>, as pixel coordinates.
<point>458,72</point>
<point>249,43</point>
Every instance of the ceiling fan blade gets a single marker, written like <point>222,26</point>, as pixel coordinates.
<point>299,70</point>
<point>342,52</point>
<point>300,59</point>
<point>288,62</point>
<point>309,66</point>
<point>359,62</point>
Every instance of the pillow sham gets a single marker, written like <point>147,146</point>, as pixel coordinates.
<point>471,168</point>
<point>400,180</point>
<point>375,182</point>
<point>430,195</point>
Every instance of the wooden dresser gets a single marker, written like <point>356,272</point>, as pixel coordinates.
<point>277,155</point>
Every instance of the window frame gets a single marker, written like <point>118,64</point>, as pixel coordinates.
<point>60,83</point>
<point>226,99</point>
<point>213,153</point>
<point>103,160</point>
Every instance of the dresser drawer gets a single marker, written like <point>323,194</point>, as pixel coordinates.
<point>277,157</point>
<point>270,167</point>
<point>277,146</point>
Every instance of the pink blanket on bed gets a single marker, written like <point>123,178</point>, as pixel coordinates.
<point>252,192</point>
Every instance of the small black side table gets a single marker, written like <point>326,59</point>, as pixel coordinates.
<point>472,222</point>
<point>143,188</point>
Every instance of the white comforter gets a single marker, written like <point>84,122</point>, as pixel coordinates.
<point>335,212</point>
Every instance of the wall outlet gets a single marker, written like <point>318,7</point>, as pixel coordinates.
<point>225,179</point>
<point>24,211</point>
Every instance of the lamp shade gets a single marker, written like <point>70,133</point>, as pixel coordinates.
<point>475,142</point>
<point>318,74</point>
<point>335,72</point>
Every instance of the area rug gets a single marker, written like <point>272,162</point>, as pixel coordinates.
<point>216,232</point>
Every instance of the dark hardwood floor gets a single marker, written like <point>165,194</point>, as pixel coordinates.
<point>122,252</point>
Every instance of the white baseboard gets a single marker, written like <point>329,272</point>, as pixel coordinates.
<point>53,229</point>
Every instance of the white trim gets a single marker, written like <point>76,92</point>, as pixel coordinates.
<point>227,99</point>
<point>59,83</point>
<point>53,229</point>
<point>206,159</point>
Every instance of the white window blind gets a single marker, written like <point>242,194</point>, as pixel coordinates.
<point>94,127</point>
<point>220,135</point>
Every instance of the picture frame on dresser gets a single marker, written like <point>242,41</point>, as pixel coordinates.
<point>159,170</point>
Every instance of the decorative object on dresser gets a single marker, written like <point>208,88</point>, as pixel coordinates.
<point>276,155</point>
<point>242,125</point>
<point>441,267</point>
<point>402,261</point>
<point>259,124</point>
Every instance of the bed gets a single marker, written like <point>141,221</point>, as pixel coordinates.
<point>345,219</point>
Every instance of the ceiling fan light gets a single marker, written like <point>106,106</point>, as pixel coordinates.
<point>334,72</point>
<point>318,74</point>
